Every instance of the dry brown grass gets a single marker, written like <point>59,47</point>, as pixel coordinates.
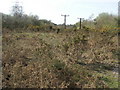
<point>78,59</point>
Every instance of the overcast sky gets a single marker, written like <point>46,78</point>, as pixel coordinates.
<point>52,9</point>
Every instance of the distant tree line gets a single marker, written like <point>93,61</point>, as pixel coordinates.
<point>103,21</point>
<point>13,22</point>
<point>18,19</point>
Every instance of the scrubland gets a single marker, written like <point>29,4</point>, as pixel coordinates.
<point>68,59</point>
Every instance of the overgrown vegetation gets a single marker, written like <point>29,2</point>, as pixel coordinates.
<point>13,22</point>
<point>76,59</point>
<point>103,22</point>
<point>40,54</point>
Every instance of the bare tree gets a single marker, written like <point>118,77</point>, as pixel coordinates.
<point>17,9</point>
